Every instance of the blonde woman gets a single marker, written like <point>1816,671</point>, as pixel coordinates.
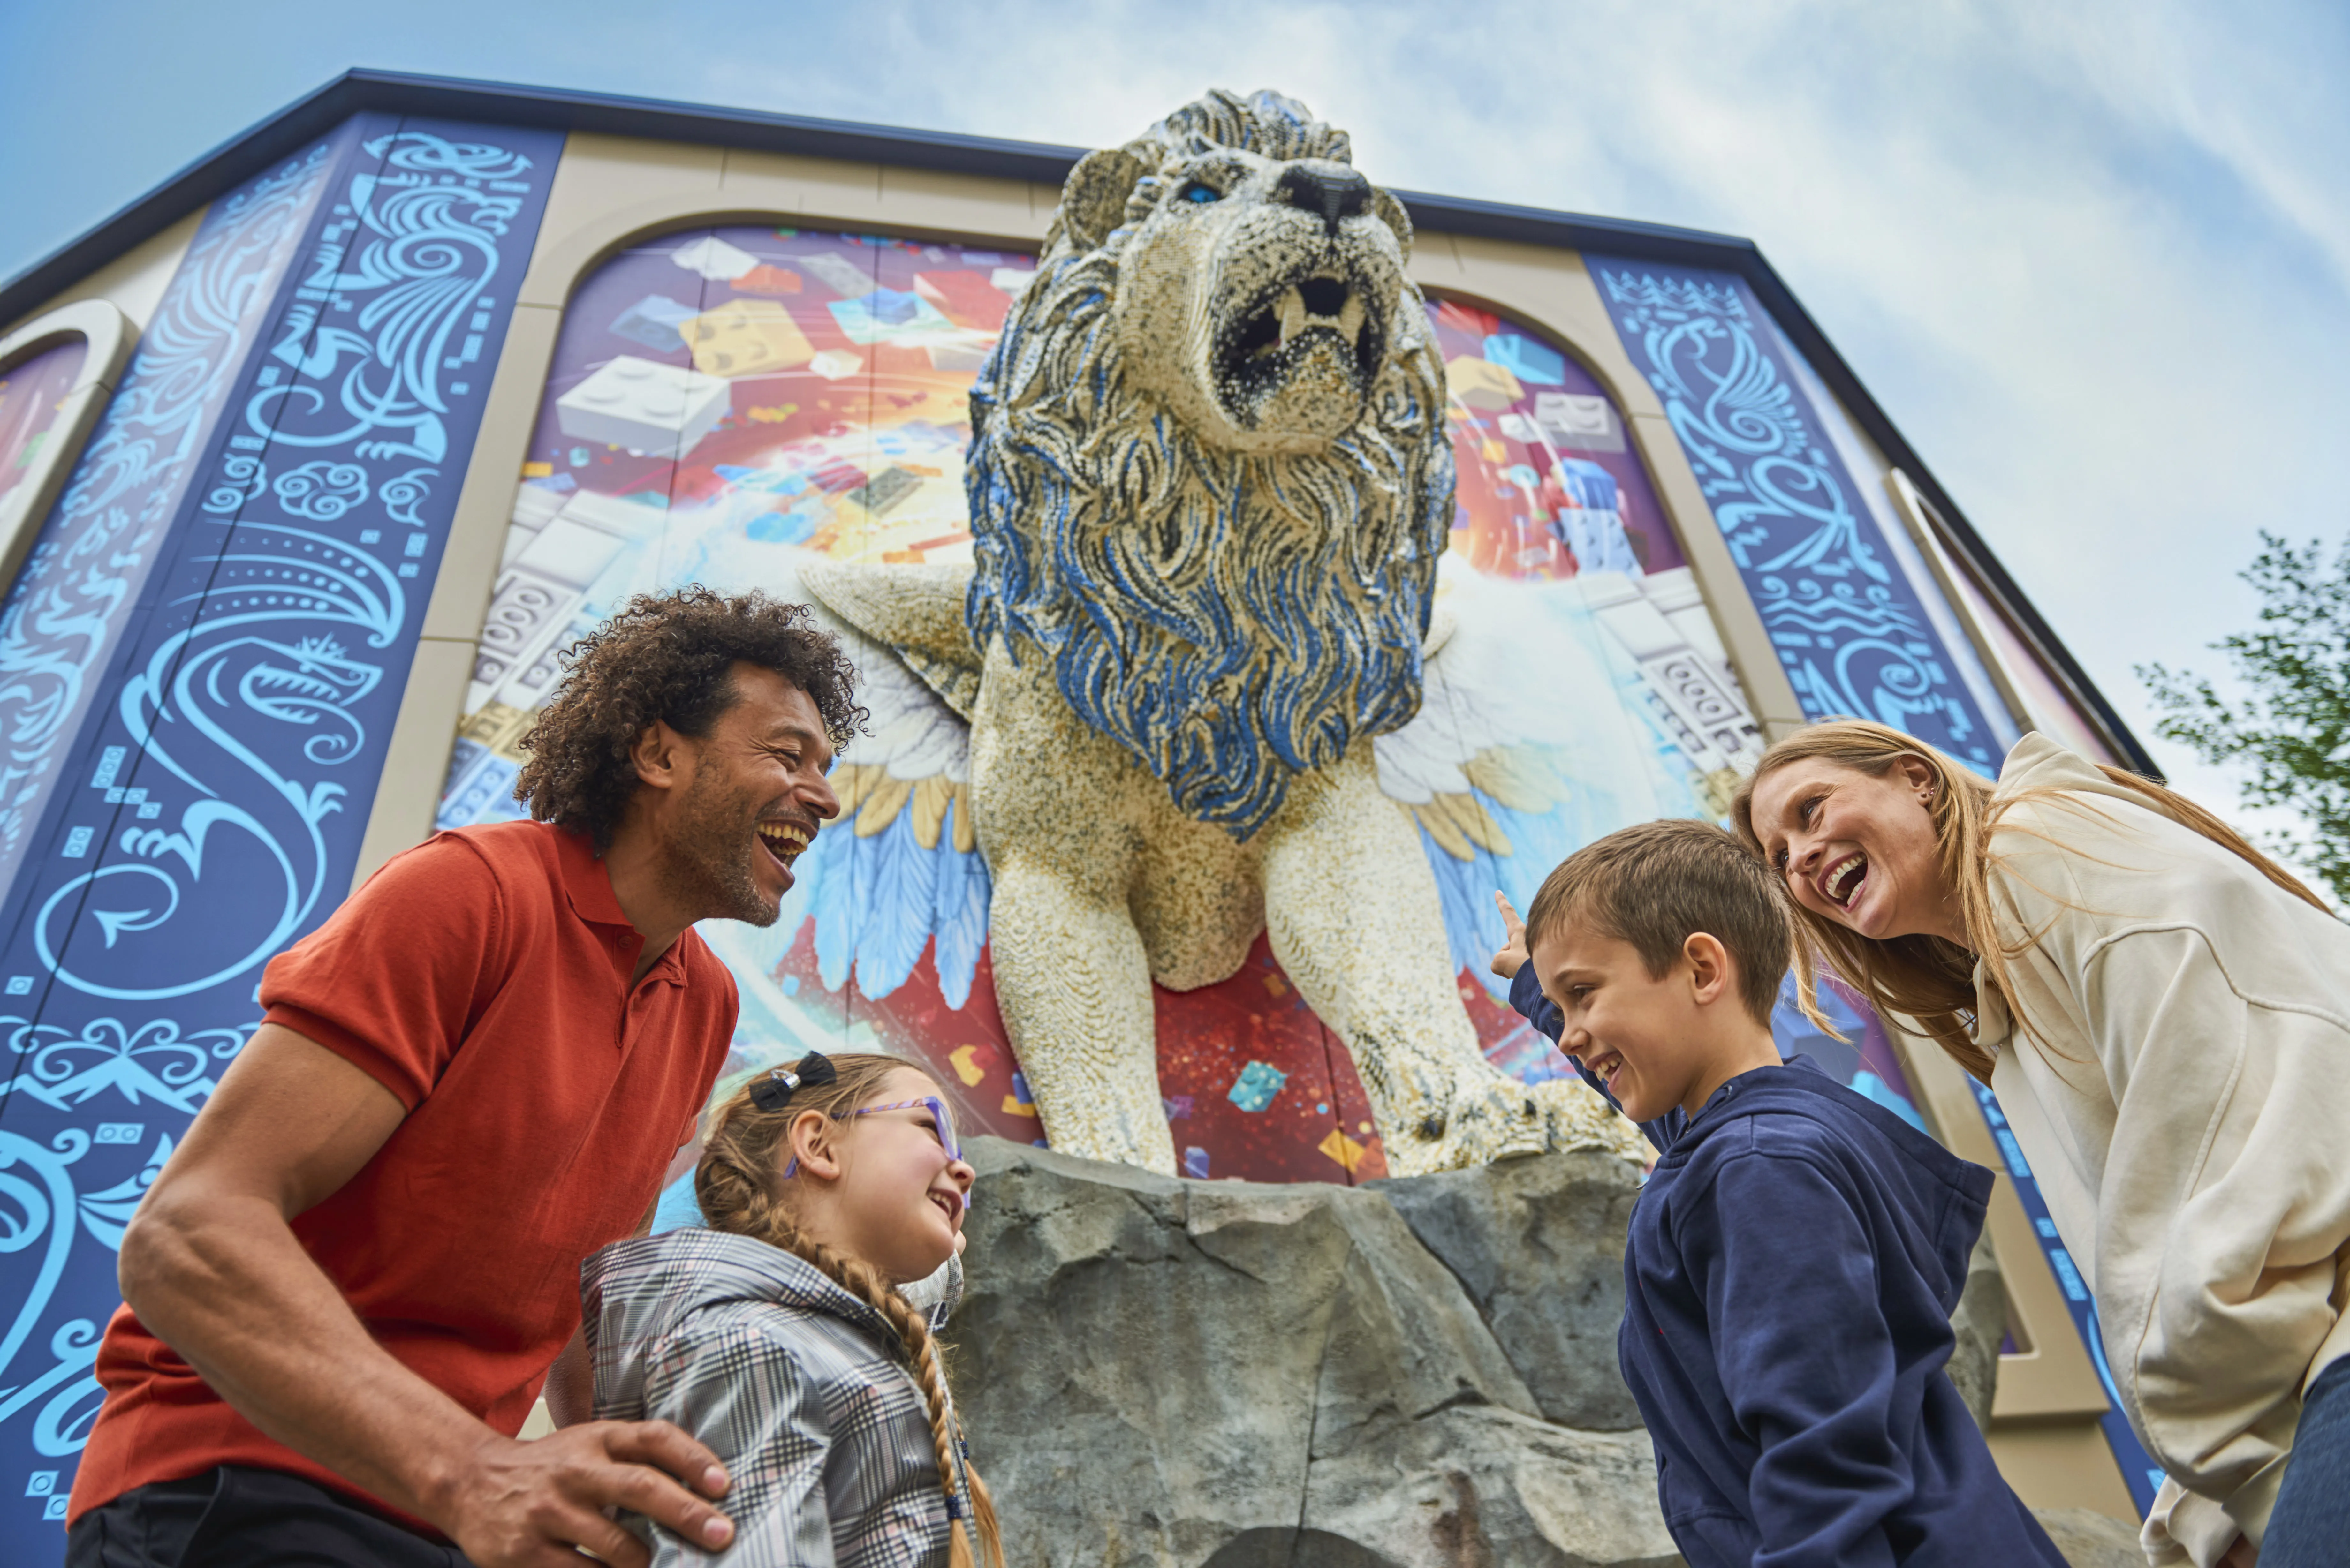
<point>780,1337</point>
<point>2164,1015</point>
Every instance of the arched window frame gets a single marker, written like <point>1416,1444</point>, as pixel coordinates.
<point>108,338</point>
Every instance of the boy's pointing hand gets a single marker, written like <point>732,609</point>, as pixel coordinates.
<point>1513,956</point>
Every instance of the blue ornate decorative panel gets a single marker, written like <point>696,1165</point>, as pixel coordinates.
<point>1850,629</point>
<point>205,663</point>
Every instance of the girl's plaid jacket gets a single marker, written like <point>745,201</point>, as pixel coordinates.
<point>799,1387</point>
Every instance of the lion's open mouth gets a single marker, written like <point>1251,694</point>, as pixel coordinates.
<point>1323,316</point>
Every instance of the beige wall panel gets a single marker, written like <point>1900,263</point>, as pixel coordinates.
<point>2062,1466</point>
<point>960,205</point>
<point>782,182</point>
<point>599,176</point>
<point>600,172</point>
<point>133,281</point>
<point>416,759</point>
<point>1435,262</point>
<point>469,564</point>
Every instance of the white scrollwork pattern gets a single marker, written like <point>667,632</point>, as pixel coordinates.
<point>424,250</point>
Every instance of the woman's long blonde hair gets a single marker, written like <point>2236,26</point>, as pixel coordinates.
<point>737,1183</point>
<point>1929,979</point>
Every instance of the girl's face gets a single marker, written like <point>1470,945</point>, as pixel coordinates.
<point>899,1200</point>
<point>1857,850</point>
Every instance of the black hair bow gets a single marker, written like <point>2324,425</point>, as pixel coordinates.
<point>774,1091</point>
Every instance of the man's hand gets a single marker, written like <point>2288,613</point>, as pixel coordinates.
<point>1513,956</point>
<point>2242,1554</point>
<point>529,1505</point>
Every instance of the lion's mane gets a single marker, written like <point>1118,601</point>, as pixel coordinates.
<point>1230,619</point>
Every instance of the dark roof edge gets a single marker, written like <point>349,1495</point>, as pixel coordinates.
<point>286,132</point>
<point>291,128</point>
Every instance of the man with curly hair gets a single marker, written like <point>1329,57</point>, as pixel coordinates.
<point>347,1286</point>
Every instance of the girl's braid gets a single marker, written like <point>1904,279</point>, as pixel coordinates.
<point>733,1183</point>
<point>946,1426</point>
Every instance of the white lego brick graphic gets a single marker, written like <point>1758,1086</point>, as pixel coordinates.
<point>535,506</point>
<point>1675,595</point>
<point>615,515</point>
<point>1580,420</point>
<point>643,406</point>
<point>837,273</point>
<point>541,589</point>
<point>716,260</point>
<point>834,364</point>
<point>1688,686</point>
<point>1625,611</point>
<point>569,553</point>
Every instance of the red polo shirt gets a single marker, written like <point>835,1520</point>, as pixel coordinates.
<point>482,977</point>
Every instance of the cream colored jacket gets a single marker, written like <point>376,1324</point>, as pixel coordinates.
<point>2183,1096</point>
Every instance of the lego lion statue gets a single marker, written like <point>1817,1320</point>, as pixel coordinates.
<point>1209,481</point>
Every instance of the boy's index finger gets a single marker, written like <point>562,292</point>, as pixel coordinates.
<point>1509,911</point>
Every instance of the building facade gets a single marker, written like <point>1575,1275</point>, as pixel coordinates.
<point>312,463</point>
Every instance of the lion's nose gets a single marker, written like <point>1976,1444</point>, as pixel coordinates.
<point>1330,189</point>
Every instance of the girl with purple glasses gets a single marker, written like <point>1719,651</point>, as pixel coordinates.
<point>782,1335</point>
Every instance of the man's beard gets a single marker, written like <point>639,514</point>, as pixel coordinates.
<point>713,839</point>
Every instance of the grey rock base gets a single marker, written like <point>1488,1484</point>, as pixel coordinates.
<point>1186,1373</point>
<point>1414,1374</point>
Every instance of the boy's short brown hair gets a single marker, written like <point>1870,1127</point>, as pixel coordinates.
<point>1655,885</point>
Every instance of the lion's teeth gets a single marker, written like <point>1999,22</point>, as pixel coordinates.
<point>1350,318</point>
<point>1293,315</point>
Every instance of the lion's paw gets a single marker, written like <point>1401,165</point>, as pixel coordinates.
<point>1489,1115</point>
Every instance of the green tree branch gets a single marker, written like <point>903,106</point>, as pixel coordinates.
<point>2292,729</point>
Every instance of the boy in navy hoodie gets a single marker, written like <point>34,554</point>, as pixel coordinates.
<point>1795,1257</point>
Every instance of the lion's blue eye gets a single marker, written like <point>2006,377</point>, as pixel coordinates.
<point>1201,193</point>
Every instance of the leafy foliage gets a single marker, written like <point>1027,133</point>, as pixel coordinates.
<point>2293,726</point>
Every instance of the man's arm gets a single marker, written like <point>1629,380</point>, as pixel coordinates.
<point>211,1265</point>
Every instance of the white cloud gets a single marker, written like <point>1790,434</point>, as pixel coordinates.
<point>2086,258</point>
<point>2090,258</point>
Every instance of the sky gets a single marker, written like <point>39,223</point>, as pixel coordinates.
<point>2092,258</point>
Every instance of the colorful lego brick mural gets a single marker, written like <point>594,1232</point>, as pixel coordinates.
<point>1549,487</point>
<point>727,403</point>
